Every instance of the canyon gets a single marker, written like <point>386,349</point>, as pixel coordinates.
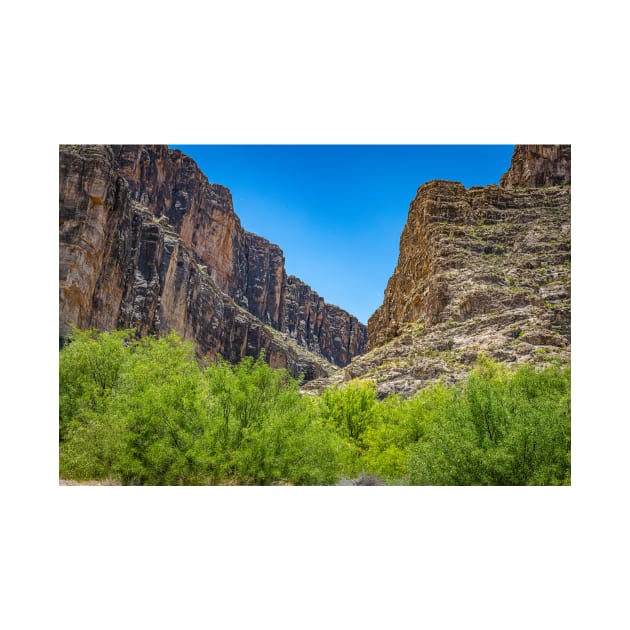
<point>146,241</point>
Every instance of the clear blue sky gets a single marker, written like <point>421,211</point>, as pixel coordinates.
<point>337,211</point>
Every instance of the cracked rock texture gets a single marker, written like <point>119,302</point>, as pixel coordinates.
<point>313,323</point>
<point>146,241</point>
<point>539,165</point>
<point>480,271</point>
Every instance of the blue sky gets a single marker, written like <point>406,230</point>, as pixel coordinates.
<point>337,211</point>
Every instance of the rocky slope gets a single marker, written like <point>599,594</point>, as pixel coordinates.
<point>480,271</point>
<point>146,241</point>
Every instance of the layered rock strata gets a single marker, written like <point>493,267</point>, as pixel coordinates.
<point>266,280</point>
<point>480,271</point>
<point>293,307</point>
<point>536,165</point>
<point>314,324</point>
<point>147,242</point>
<point>171,186</point>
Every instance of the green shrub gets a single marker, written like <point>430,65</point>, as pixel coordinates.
<point>147,412</point>
<point>397,425</point>
<point>159,403</point>
<point>263,431</point>
<point>350,408</point>
<point>499,428</point>
<point>89,368</point>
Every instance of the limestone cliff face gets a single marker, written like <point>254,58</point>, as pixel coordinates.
<point>484,270</point>
<point>95,223</point>
<point>315,324</point>
<point>247,267</point>
<point>147,242</point>
<point>266,279</point>
<point>539,165</point>
<point>418,290</point>
<point>465,253</point>
<point>170,185</point>
<point>291,306</point>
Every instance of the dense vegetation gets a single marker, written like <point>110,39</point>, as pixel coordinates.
<point>147,412</point>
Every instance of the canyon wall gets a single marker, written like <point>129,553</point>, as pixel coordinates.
<point>535,165</point>
<point>484,270</point>
<point>464,253</point>
<point>313,323</point>
<point>147,242</point>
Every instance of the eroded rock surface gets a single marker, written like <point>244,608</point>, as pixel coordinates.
<point>480,271</point>
<point>266,280</point>
<point>315,324</point>
<point>170,186</point>
<point>539,165</point>
<point>146,242</point>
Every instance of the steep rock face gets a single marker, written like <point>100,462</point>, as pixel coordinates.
<point>170,185</point>
<point>123,266</point>
<point>247,267</point>
<point>169,290</point>
<point>95,221</point>
<point>417,289</point>
<point>480,271</point>
<point>291,306</point>
<point>539,165</point>
<point>315,324</point>
<point>147,242</point>
<point>266,280</point>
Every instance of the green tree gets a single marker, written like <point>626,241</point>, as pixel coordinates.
<point>350,408</point>
<point>159,405</point>
<point>263,431</point>
<point>501,427</point>
<point>90,367</point>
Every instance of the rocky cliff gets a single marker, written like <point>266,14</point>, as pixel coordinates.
<point>266,280</point>
<point>480,271</point>
<point>146,241</point>
<point>539,165</point>
<point>170,186</point>
<point>313,323</point>
<point>291,306</point>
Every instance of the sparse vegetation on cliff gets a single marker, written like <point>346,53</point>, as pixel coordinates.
<point>146,412</point>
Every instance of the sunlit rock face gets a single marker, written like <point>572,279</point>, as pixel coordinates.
<point>95,238</point>
<point>485,270</point>
<point>319,326</point>
<point>147,242</point>
<point>170,186</point>
<point>536,165</point>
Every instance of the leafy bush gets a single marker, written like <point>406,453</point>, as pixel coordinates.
<point>158,406</point>
<point>499,428</point>
<point>89,368</point>
<point>350,408</point>
<point>263,431</point>
<point>398,424</point>
<point>147,412</point>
